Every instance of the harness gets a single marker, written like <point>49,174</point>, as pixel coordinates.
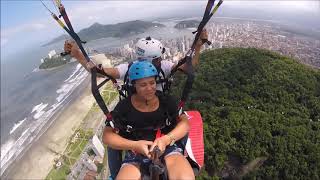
<point>126,90</point>
<point>119,122</point>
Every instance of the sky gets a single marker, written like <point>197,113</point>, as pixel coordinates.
<point>28,24</point>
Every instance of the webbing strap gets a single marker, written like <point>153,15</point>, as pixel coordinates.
<point>188,58</point>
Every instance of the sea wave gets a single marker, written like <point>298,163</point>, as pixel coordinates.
<point>15,126</point>
<point>74,72</point>
<point>63,91</point>
<point>5,149</point>
<point>78,76</point>
<point>35,70</point>
<point>39,109</point>
<point>13,148</point>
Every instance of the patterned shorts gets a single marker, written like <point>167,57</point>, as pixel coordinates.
<point>138,159</point>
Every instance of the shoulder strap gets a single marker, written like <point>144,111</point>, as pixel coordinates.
<point>162,73</point>
<point>120,122</point>
<point>164,81</point>
<point>125,88</point>
<point>126,79</point>
<point>118,118</point>
<point>163,99</point>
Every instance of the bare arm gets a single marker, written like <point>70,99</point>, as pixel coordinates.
<point>195,59</point>
<point>177,133</point>
<point>181,129</point>
<point>72,47</point>
<point>115,141</point>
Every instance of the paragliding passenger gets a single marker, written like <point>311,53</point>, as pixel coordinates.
<point>142,117</point>
<point>146,49</point>
<point>149,49</point>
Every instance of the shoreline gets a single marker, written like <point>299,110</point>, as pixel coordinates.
<point>57,67</point>
<point>38,159</point>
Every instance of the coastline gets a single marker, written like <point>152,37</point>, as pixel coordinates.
<point>39,158</point>
<point>57,67</point>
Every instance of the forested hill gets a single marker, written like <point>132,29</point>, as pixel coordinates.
<point>187,24</point>
<point>97,31</point>
<point>261,114</point>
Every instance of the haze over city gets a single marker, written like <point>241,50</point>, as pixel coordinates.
<point>260,69</point>
<point>27,24</point>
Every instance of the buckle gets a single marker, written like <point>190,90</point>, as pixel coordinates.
<point>116,86</point>
<point>168,123</point>
<point>129,128</point>
<point>109,116</point>
<point>111,124</point>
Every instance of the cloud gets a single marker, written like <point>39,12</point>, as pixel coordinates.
<point>38,26</point>
<point>85,13</point>
<point>110,12</point>
<point>278,5</point>
<point>93,18</point>
<point>23,28</point>
<point>4,41</point>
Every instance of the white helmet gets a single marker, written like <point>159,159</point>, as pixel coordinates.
<point>149,48</point>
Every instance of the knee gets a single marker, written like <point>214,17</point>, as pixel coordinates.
<point>129,171</point>
<point>179,168</point>
<point>182,175</point>
<point>128,176</point>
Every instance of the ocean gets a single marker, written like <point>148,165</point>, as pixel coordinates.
<point>30,98</point>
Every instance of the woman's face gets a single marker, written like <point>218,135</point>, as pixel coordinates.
<point>146,87</point>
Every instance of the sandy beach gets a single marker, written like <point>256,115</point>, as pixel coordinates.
<point>39,158</point>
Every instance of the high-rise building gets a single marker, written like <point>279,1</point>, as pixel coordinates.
<point>90,165</point>
<point>97,146</point>
<point>52,53</point>
<point>183,47</point>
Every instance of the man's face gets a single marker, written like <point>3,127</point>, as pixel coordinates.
<point>156,62</point>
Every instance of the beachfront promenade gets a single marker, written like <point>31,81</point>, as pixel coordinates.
<point>82,114</point>
<point>80,160</point>
<point>52,146</point>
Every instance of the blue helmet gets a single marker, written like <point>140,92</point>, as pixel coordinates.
<point>141,69</point>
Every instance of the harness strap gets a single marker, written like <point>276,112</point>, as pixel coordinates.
<point>188,58</point>
<point>132,129</point>
<point>94,71</point>
<point>118,122</point>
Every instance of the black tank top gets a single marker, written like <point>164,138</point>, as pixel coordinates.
<point>145,124</point>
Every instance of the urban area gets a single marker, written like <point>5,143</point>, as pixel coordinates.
<point>246,34</point>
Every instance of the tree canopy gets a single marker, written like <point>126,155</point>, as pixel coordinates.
<point>257,104</point>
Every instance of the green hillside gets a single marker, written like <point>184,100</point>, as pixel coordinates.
<point>261,114</point>
<point>54,61</point>
<point>187,24</point>
<point>97,31</point>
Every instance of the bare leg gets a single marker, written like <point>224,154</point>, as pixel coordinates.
<point>179,167</point>
<point>129,171</point>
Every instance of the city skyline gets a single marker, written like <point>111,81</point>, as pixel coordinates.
<point>19,18</point>
<point>244,34</point>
